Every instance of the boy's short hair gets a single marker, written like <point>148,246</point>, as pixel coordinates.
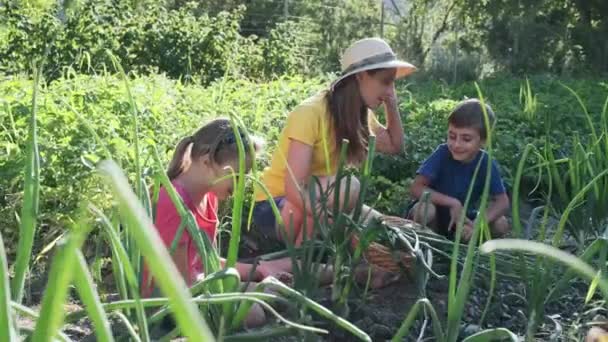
<point>469,114</point>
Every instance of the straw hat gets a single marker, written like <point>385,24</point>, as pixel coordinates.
<point>369,54</point>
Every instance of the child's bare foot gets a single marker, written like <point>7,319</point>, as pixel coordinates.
<point>285,278</point>
<point>272,267</point>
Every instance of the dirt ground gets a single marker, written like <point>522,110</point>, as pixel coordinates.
<point>382,311</point>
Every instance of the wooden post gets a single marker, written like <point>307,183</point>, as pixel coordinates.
<point>286,9</point>
<point>382,19</point>
<point>455,55</point>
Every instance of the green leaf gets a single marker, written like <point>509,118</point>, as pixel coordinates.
<point>498,334</point>
<point>87,290</point>
<point>567,259</point>
<point>7,331</point>
<point>593,287</point>
<point>31,194</point>
<point>60,277</point>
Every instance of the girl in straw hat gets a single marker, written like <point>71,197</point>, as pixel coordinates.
<point>310,141</point>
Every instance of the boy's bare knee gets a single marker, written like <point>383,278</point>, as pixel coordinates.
<point>418,212</point>
<point>500,227</point>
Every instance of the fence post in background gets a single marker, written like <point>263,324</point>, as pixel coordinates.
<point>382,19</point>
<point>455,50</point>
<point>286,9</point>
<point>455,55</point>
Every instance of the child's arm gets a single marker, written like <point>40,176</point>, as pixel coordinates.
<point>180,258</point>
<point>498,207</point>
<point>427,173</point>
<point>421,184</point>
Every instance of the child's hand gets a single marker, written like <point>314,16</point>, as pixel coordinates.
<point>455,212</point>
<point>467,231</point>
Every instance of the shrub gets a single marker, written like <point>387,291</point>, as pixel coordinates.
<point>168,110</point>
<point>181,43</point>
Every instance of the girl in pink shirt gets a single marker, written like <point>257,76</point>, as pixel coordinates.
<point>198,164</point>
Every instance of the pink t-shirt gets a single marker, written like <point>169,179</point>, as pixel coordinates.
<point>168,221</point>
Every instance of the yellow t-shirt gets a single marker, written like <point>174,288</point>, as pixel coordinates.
<point>310,124</point>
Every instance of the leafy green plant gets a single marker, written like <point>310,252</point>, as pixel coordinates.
<point>29,211</point>
<point>528,100</point>
<point>7,326</point>
<point>572,262</point>
<point>458,293</point>
<point>169,109</point>
<point>573,180</point>
<point>182,42</point>
<point>542,286</point>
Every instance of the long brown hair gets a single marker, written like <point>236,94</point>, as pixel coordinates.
<point>215,139</point>
<point>349,117</point>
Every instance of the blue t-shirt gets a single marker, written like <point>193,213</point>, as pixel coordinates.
<point>453,178</point>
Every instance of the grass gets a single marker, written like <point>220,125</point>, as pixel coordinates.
<point>31,193</point>
<point>571,261</point>
<point>582,179</point>
<point>84,282</point>
<point>60,277</point>
<point>529,101</point>
<point>573,189</point>
<point>7,328</point>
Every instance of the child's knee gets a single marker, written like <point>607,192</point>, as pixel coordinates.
<point>347,203</point>
<point>500,227</point>
<point>419,211</point>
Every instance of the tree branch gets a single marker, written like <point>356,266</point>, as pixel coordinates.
<point>442,28</point>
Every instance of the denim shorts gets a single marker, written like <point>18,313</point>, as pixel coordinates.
<point>264,219</point>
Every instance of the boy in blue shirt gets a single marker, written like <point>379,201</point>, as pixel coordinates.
<point>448,173</point>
